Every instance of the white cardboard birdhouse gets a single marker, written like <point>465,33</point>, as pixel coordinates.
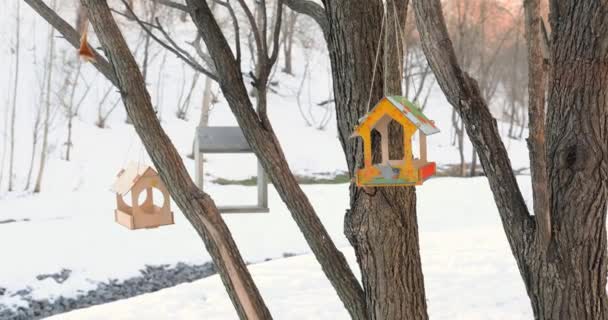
<point>133,182</point>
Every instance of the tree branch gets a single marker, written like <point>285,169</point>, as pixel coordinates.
<point>254,26</point>
<point>536,111</point>
<point>173,4</point>
<point>174,48</point>
<point>196,205</point>
<point>266,147</point>
<point>72,36</point>
<point>276,34</point>
<point>463,93</point>
<point>237,32</point>
<point>311,9</point>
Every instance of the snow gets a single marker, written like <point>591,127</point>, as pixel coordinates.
<point>470,273</point>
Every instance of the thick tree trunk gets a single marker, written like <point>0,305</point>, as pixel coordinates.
<point>568,279</point>
<point>571,284</point>
<point>381,224</point>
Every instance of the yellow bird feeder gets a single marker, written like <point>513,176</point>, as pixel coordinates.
<point>402,172</point>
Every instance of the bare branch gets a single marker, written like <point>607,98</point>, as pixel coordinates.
<point>463,93</point>
<point>266,147</point>
<point>254,26</point>
<point>237,32</point>
<point>264,25</point>
<point>72,36</point>
<point>173,47</point>
<point>311,9</point>
<point>536,141</point>
<point>277,32</point>
<point>196,205</point>
<point>173,4</point>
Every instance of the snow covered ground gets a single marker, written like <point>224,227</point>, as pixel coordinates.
<point>469,271</point>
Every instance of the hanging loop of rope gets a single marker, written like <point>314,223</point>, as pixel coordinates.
<point>399,39</point>
<point>400,44</point>
<point>371,86</point>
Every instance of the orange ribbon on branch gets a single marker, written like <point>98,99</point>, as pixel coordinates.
<point>85,52</point>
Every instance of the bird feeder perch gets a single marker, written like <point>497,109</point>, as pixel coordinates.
<point>401,172</point>
<point>136,179</point>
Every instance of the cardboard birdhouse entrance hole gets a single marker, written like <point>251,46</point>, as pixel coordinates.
<point>379,168</point>
<point>138,191</point>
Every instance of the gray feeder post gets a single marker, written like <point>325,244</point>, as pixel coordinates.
<point>229,140</point>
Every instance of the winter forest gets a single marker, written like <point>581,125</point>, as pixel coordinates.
<point>304,159</point>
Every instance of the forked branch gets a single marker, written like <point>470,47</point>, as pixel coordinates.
<point>464,95</point>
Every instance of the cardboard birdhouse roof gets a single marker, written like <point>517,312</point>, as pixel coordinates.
<point>128,177</point>
<point>411,112</point>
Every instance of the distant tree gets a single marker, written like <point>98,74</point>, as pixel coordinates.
<point>48,83</point>
<point>289,30</point>
<point>16,74</point>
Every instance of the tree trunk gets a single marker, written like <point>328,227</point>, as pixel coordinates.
<point>571,283</point>
<point>473,170</point>
<point>288,39</point>
<point>568,279</point>
<point>381,224</point>
<point>203,120</point>
<point>68,143</point>
<point>11,160</point>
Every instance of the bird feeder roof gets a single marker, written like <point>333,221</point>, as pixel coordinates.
<point>411,112</point>
<point>129,177</point>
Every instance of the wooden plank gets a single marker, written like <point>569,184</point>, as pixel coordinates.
<point>423,152</point>
<point>222,140</point>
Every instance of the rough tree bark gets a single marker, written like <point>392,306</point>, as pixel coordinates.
<point>537,85</point>
<point>571,283</point>
<point>568,279</point>
<point>381,223</point>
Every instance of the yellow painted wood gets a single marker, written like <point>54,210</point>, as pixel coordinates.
<point>367,148</point>
<point>375,119</point>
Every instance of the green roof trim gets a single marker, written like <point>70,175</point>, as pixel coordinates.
<point>412,113</point>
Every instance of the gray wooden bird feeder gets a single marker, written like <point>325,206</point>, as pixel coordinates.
<point>220,140</point>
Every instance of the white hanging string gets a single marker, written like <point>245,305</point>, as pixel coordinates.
<point>400,39</point>
<point>126,157</point>
<point>371,86</point>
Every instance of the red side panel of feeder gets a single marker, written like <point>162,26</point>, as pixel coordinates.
<point>427,171</point>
